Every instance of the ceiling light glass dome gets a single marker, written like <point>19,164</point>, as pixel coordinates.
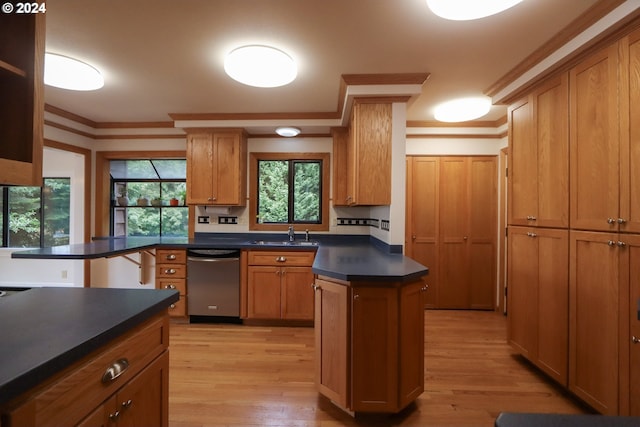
<point>68,73</point>
<point>288,131</point>
<point>260,66</point>
<point>463,109</point>
<point>466,10</point>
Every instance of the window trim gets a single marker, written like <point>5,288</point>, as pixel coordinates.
<point>253,190</point>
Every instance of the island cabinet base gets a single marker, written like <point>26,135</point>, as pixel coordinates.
<point>124,383</point>
<point>369,343</point>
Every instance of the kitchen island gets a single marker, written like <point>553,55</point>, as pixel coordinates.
<point>67,353</point>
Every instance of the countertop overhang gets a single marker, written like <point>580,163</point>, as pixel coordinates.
<point>44,330</point>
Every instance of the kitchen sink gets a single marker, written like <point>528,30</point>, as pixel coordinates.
<point>284,243</point>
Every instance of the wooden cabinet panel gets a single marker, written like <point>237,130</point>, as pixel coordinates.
<point>340,166</point>
<point>594,319</point>
<point>630,133</point>
<point>263,296</point>
<point>423,218</point>
<point>523,163</point>
<point>297,293</point>
<point>171,273</point>
<point>631,271</point>
<point>216,168</point>
<point>411,342</point>
<point>281,258</point>
<point>331,341</point>
<point>538,297</point>
<point>594,142</point>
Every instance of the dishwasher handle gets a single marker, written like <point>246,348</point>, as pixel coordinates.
<point>203,259</point>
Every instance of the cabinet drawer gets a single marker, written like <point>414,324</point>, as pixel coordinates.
<point>178,309</point>
<point>171,271</point>
<point>171,256</point>
<point>301,258</point>
<point>78,390</point>
<point>179,284</point>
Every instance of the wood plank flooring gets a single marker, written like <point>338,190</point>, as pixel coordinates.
<point>231,375</point>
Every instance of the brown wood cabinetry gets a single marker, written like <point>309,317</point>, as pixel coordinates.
<point>538,298</point>
<point>364,155</point>
<point>171,273</point>
<point>453,206</point>
<point>22,106</point>
<point>539,156</point>
<point>217,167</point>
<point>89,393</point>
<point>369,343</point>
<point>279,285</point>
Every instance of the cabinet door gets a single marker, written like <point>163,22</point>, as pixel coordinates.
<point>593,325</point>
<point>263,292</point>
<point>480,238</point>
<point>100,417</point>
<point>553,303</point>
<point>422,218</point>
<point>411,354</point>
<point>453,291</point>
<point>551,118</point>
<point>228,173</point>
<point>297,293</point>
<point>374,358</point>
<point>145,399</point>
<point>371,126</point>
<point>199,168</point>
<point>594,142</point>
<point>340,166</point>
<point>630,134</point>
<point>331,341</point>
<point>522,295</point>
<point>632,274</point>
<point>523,163</point>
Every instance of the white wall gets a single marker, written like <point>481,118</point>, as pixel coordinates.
<point>29,273</point>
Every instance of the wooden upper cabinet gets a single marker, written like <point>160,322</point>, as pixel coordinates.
<point>217,168</point>
<point>369,154</point>
<point>539,157</point>
<point>630,133</point>
<point>340,166</point>
<point>595,142</point>
<point>22,106</point>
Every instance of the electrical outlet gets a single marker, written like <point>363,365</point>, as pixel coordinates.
<point>64,274</point>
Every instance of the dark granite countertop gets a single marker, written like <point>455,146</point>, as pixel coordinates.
<point>44,330</point>
<point>345,257</point>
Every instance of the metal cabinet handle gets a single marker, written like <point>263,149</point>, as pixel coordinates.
<point>281,259</point>
<point>531,218</point>
<point>611,243</point>
<point>315,287</point>
<point>530,234</point>
<point>170,286</point>
<point>115,370</point>
<point>356,296</point>
<point>635,340</point>
<point>127,403</point>
<point>114,416</point>
<point>170,271</point>
<point>171,256</point>
<point>172,306</point>
<point>611,221</point>
<point>465,238</point>
<point>621,244</point>
<point>424,288</point>
<point>622,221</point>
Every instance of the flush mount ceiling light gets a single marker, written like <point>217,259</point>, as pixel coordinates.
<point>287,131</point>
<point>68,73</point>
<point>463,109</point>
<point>260,66</point>
<point>466,10</point>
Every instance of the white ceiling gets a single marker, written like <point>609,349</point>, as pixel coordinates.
<point>160,56</point>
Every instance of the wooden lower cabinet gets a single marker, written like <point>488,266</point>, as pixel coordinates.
<point>538,297</point>
<point>171,273</point>
<point>279,285</point>
<point>369,343</point>
<point>80,395</point>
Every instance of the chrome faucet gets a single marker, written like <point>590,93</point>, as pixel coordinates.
<point>292,235</point>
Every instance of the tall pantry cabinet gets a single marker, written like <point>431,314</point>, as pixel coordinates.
<point>604,221</point>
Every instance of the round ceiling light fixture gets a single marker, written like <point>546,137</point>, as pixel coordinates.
<point>463,109</point>
<point>288,131</point>
<point>466,10</point>
<point>68,73</point>
<point>260,66</point>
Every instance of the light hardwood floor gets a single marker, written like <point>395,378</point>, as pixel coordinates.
<point>231,375</point>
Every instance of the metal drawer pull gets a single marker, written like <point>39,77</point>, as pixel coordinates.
<point>622,244</point>
<point>171,256</point>
<point>172,306</point>
<point>170,271</point>
<point>170,286</point>
<point>114,416</point>
<point>114,371</point>
<point>622,221</point>
<point>635,340</point>
<point>281,259</point>
<point>611,243</point>
<point>127,403</point>
<point>611,221</point>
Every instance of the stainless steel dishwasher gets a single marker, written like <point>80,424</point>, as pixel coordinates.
<point>213,281</point>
